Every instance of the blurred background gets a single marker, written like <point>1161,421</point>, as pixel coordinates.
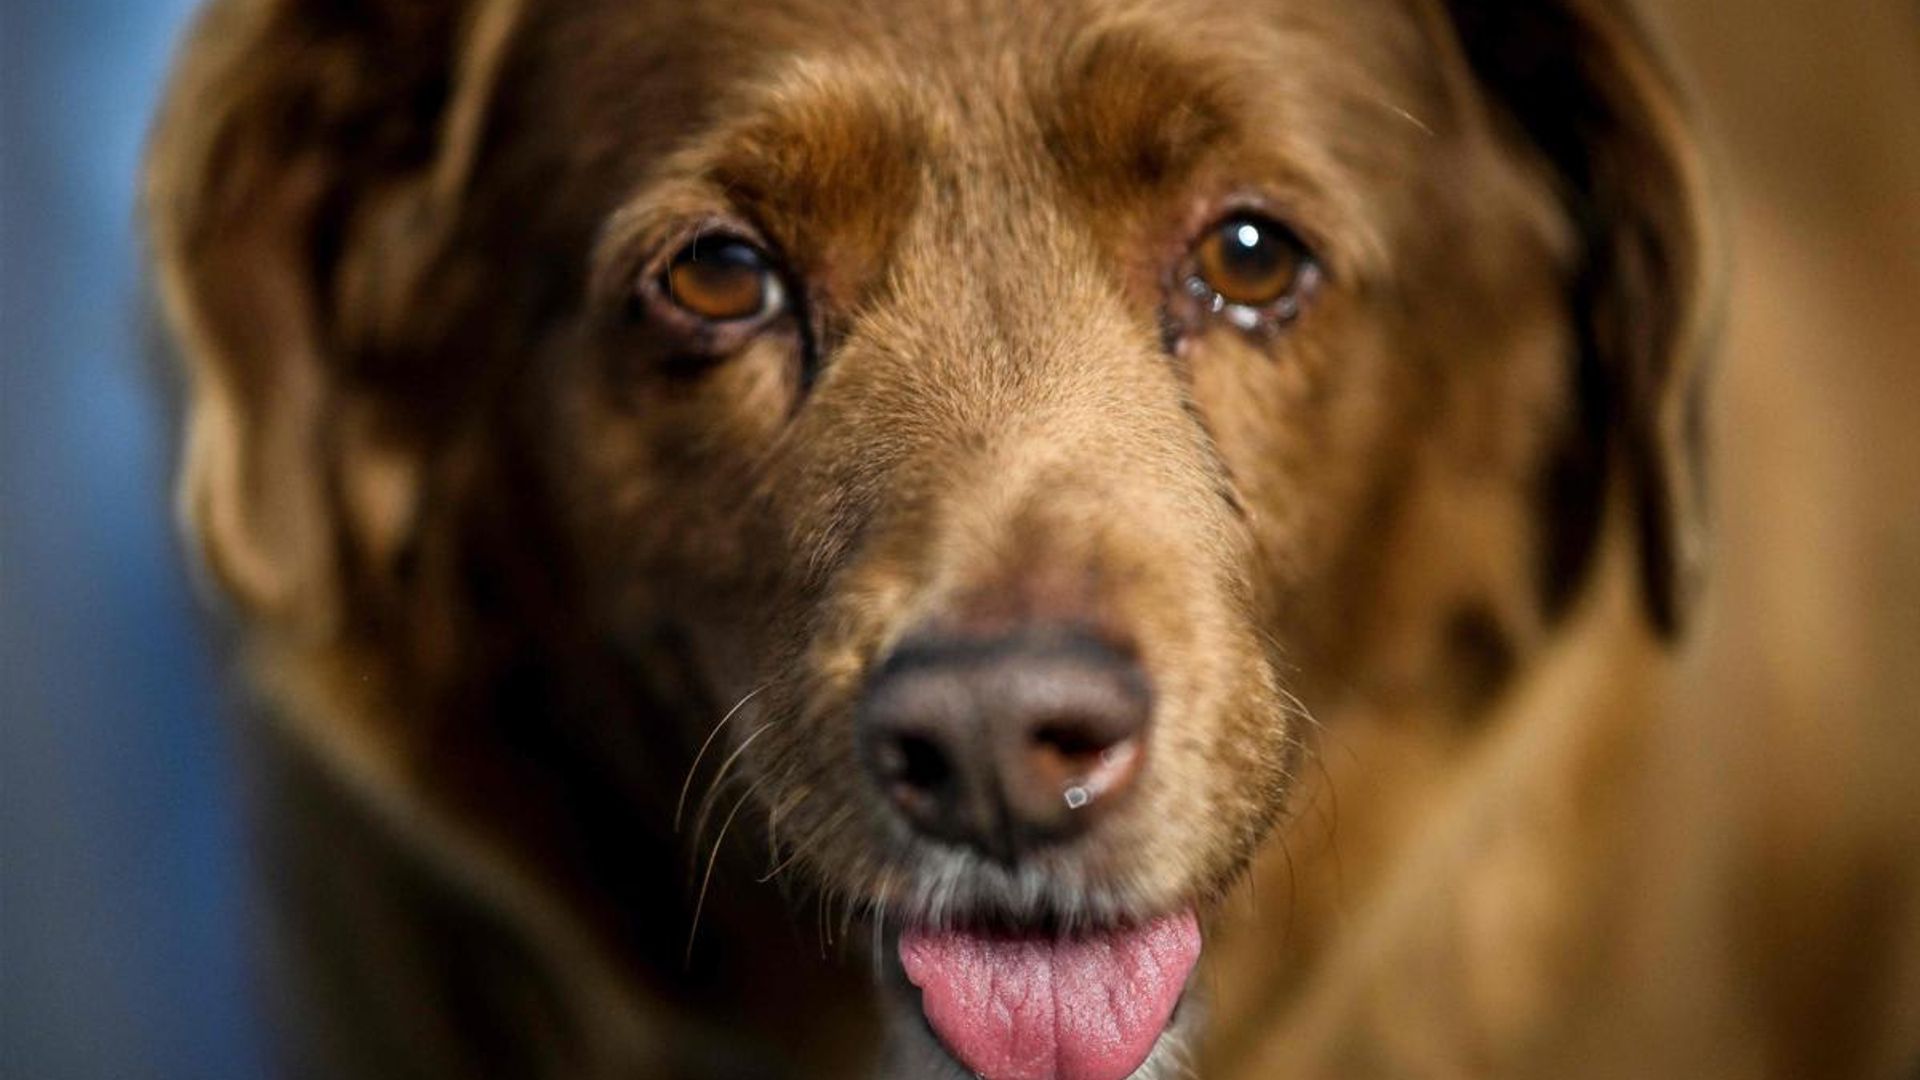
<point>123,914</point>
<point>122,923</point>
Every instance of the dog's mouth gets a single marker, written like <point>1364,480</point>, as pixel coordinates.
<point>1051,1005</point>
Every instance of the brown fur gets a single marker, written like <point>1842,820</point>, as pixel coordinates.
<point>508,555</point>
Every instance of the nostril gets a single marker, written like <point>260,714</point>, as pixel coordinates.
<point>1078,762</point>
<point>919,763</point>
<point>1071,740</point>
<point>917,772</point>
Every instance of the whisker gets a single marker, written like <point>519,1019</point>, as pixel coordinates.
<point>824,911</point>
<point>680,806</point>
<point>775,872</point>
<point>719,782</point>
<point>876,910</point>
<point>776,817</point>
<point>1299,708</point>
<point>699,905</point>
<point>812,842</point>
<point>847,912</point>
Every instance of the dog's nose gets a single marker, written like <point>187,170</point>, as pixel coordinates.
<point>1004,744</point>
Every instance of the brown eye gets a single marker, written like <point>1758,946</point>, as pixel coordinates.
<point>722,279</point>
<point>1252,262</point>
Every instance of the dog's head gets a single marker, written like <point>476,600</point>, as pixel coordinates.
<point>1016,409</point>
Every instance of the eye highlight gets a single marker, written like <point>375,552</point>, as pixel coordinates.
<point>722,279</point>
<point>1252,270</point>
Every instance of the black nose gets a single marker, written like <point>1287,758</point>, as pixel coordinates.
<point>1005,744</point>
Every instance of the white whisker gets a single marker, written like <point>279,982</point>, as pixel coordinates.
<point>680,806</point>
<point>719,782</point>
<point>699,905</point>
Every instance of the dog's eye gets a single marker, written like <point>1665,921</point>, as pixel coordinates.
<point>722,279</point>
<point>1252,262</point>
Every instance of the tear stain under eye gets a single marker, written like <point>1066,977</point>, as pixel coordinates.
<point>1170,335</point>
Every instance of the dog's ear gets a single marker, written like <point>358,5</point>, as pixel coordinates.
<point>1579,81</point>
<point>306,169</point>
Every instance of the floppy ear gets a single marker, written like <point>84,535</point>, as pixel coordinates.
<point>306,171</point>
<point>1579,81</point>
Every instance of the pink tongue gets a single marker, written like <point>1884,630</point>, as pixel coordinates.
<point>1022,1008</point>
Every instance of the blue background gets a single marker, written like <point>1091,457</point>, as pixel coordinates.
<point>122,925</point>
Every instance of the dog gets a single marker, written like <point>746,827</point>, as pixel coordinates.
<point>805,538</point>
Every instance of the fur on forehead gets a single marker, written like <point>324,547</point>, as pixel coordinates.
<point>1118,108</point>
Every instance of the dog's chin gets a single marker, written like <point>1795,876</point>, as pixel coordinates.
<point>1035,996</point>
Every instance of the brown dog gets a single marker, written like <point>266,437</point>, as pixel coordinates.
<point>937,459</point>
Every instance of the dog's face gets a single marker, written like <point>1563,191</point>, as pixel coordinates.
<point>1079,381</point>
<point>1011,411</point>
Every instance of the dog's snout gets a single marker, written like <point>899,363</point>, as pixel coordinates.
<point>1005,744</point>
